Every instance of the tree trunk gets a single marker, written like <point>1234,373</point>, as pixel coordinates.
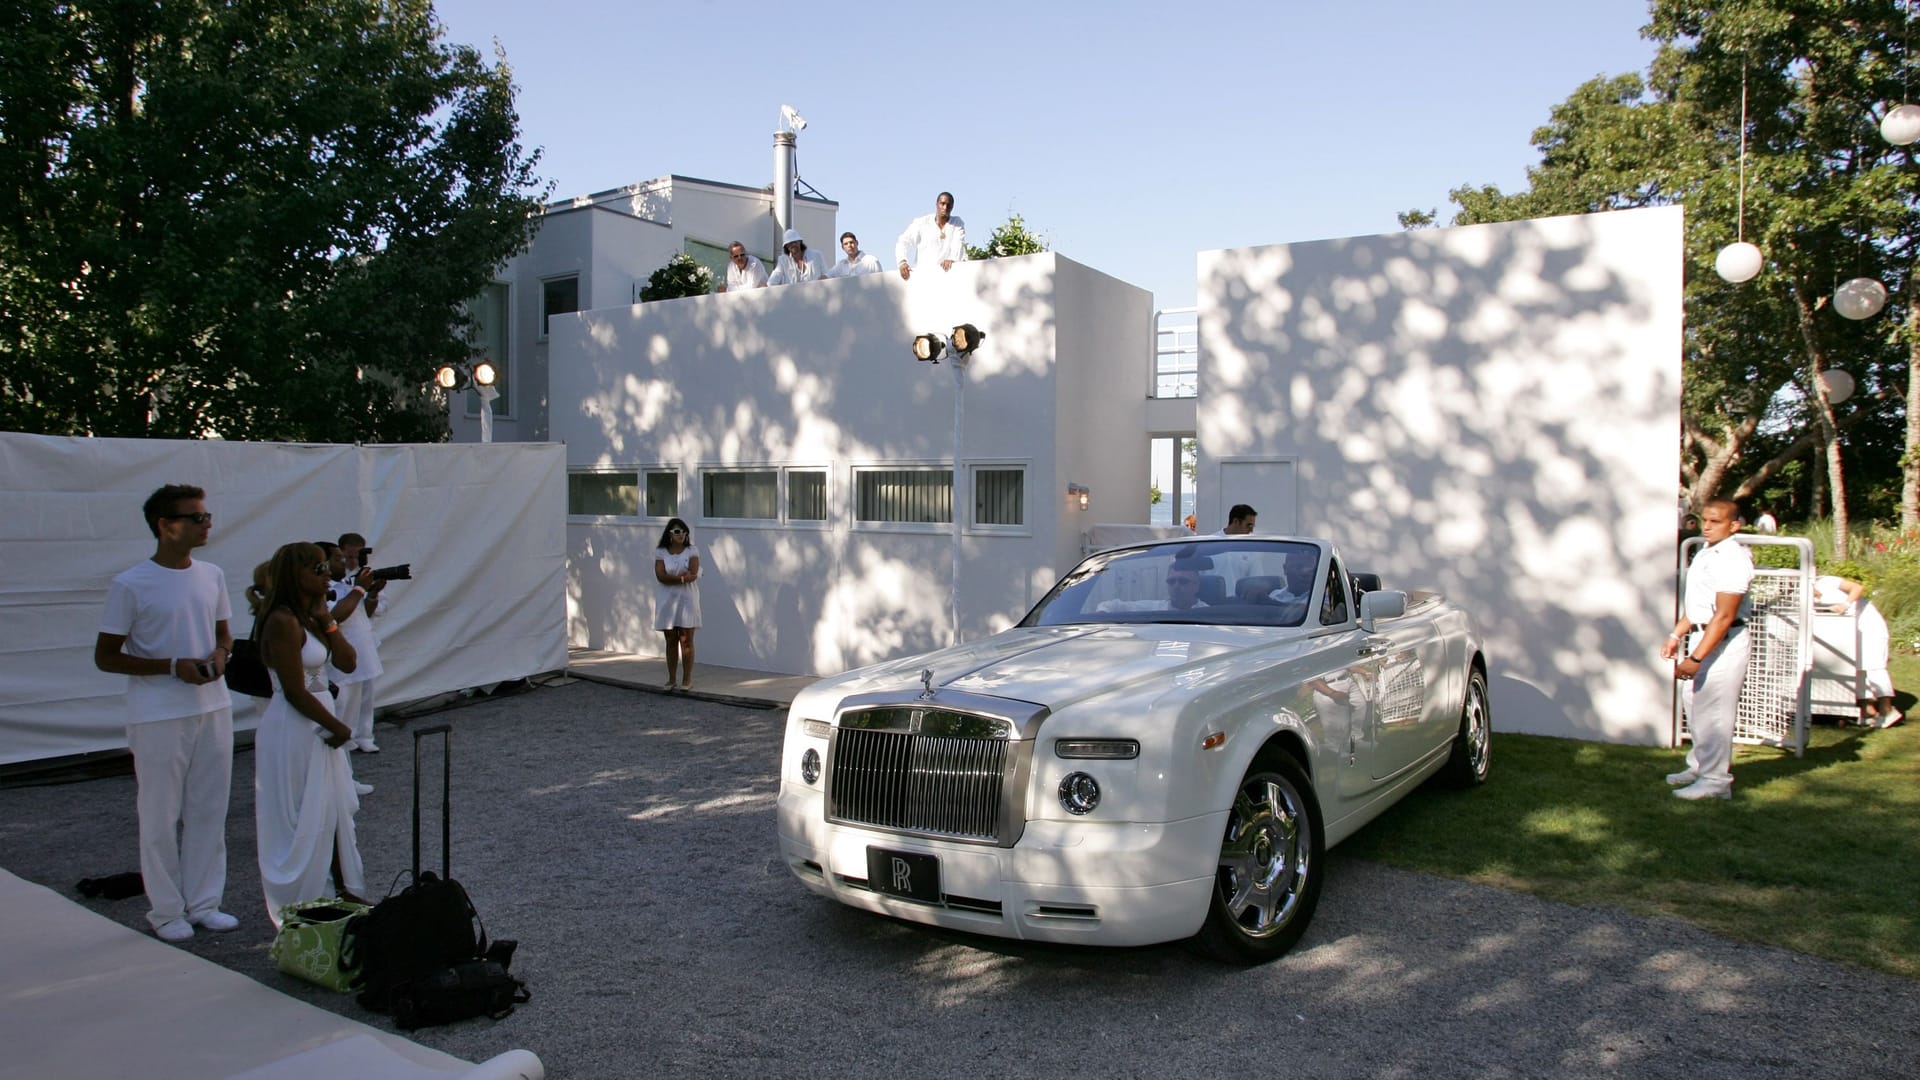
<point>1910,461</point>
<point>1823,416</point>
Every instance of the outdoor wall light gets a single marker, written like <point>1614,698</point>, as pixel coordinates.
<point>966,338</point>
<point>1078,496</point>
<point>928,348</point>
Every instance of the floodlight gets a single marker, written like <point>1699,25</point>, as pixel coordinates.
<point>794,121</point>
<point>929,348</point>
<point>966,338</point>
<point>484,374</point>
<point>447,377</point>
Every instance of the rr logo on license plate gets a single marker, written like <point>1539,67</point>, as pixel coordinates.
<point>909,874</point>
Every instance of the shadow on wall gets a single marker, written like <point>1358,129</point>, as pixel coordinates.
<point>1491,410</point>
<point>810,376</point>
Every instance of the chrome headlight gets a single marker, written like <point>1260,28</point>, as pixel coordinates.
<point>1079,793</point>
<point>810,765</point>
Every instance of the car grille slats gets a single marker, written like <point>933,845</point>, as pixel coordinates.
<point>914,782</point>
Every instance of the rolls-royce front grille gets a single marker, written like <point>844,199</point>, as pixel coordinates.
<point>943,785</point>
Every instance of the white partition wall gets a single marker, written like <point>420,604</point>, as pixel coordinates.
<point>1492,410</point>
<point>818,378</point>
<point>482,527</point>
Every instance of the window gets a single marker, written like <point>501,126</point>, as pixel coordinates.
<point>806,494</point>
<point>894,496</point>
<point>1333,606</point>
<point>744,493</point>
<point>712,256</point>
<point>488,336</point>
<point>663,493</point>
<point>557,297</point>
<point>603,494</point>
<point>999,496</point>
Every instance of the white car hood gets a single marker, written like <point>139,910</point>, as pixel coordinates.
<point>1057,666</point>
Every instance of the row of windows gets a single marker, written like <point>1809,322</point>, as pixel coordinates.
<point>881,496</point>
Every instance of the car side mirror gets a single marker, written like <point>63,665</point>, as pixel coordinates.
<point>1381,604</point>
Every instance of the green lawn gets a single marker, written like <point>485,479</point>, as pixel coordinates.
<point>1820,853</point>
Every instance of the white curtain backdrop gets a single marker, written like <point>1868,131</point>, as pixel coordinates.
<point>484,527</point>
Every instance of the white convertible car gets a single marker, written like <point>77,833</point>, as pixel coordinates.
<point>1163,748</point>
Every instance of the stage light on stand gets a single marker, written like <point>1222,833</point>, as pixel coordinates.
<point>484,374</point>
<point>966,338</point>
<point>928,348</point>
<point>447,377</point>
<point>480,378</point>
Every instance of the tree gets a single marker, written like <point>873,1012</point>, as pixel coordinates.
<point>1012,237</point>
<point>246,219</point>
<point>680,277</point>
<point>1825,198</point>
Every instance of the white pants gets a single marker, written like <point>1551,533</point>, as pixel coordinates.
<point>1712,700</point>
<point>355,709</point>
<point>1876,643</point>
<point>184,768</point>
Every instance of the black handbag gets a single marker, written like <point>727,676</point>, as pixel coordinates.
<point>245,672</point>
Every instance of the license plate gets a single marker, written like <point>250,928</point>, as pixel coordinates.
<point>910,874</point>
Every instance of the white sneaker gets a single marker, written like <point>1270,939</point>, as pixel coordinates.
<point>1704,789</point>
<point>217,921</point>
<point>366,746</point>
<point>362,789</point>
<point>1682,778</point>
<point>174,930</point>
<point>1891,719</point>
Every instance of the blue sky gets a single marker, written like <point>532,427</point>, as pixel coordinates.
<point>1131,135</point>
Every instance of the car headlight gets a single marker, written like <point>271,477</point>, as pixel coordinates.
<point>810,765</point>
<point>1079,793</point>
<point>1100,749</point>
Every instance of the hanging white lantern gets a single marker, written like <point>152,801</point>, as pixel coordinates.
<point>1860,298</point>
<point>1839,385</point>
<point>1901,125</point>
<point>1738,262</point>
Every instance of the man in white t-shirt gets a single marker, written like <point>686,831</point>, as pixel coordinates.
<point>936,239</point>
<point>165,628</point>
<point>743,270</point>
<point>853,262</point>
<point>1709,648</point>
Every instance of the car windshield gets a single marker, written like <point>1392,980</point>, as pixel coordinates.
<point>1227,581</point>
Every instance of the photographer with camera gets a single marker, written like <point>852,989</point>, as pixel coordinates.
<point>355,597</point>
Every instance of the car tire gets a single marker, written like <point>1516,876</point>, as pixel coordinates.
<point>1472,757</point>
<point>1268,879</point>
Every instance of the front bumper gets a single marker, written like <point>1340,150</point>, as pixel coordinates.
<point>1084,882</point>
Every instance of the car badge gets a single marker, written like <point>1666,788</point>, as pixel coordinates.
<point>926,684</point>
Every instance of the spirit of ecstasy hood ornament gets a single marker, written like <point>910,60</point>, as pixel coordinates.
<point>926,684</point>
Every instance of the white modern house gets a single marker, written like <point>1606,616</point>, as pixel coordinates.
<point>1490,410</point>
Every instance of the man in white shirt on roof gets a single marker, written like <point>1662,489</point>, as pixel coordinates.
<point>853,262</point>
<point>743,270</point>
<point>936,239</point>
<point>796,263</point>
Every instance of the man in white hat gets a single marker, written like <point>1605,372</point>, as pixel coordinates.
<point>796,263</point>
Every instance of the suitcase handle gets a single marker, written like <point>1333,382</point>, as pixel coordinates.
<point>446,798</point>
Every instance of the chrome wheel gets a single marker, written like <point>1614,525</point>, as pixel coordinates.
<point>1267,881</point>
<point>1472,757</point>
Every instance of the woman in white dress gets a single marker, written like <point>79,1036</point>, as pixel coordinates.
<point>676,600</point>
<point>304,799</point>
<point>1839,596</point>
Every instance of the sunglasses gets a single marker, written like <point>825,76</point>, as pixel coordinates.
<point>321,569</point>
<point>676,532</point>
<point>197,519</point>
<point>1183,581</point>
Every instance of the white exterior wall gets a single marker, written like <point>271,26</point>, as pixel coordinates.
<point>1492,410</point>
<point>820,375</point>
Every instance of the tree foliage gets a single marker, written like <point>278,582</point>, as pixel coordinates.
<point>244,218</point>
<point>1826,199</point>
<point>1012,237</point>
<point>682,276</point>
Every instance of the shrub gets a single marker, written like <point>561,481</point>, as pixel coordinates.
<point>680,277</point>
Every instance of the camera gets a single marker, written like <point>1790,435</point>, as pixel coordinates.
<point>403,572</point>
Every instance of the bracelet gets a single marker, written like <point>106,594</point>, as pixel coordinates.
<point>330,627</point>
<point>1673,637</point>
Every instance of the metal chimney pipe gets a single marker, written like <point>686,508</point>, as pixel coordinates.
<point>782,184</point>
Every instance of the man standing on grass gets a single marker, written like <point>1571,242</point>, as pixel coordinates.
<point>1710,642</point>
<point>165,628</point>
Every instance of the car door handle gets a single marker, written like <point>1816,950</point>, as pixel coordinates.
<point>1378,645</point>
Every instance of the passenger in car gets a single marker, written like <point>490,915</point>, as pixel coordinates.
<point>1183,591</point>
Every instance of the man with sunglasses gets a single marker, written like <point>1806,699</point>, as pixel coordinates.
<point>1183,589</point>
<point>743,270</point>
<point>165,628</point>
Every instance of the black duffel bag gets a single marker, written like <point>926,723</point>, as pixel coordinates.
<point>456,992</point>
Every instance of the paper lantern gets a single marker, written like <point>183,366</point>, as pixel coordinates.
<point>1738,262</point>
<point>1902,125</point>
<point>1839,385</point>
<point>1860,298</point>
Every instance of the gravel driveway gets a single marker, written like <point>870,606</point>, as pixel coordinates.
<point>627,840</point>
